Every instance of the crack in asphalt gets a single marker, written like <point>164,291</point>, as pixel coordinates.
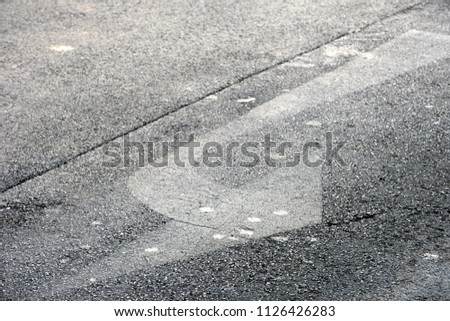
<point>192,224</point>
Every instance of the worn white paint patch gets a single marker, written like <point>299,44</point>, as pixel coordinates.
<point>314,123</point>
<point>336,52</point>
<point>246,100</point>
<point>246,232</point>
<point>431,256</point>
<point>212,97</point>
<point>280,213</point>
<point>218,236</point>
<point>96,223</point>
<point>151,250</point>
<point>61,48</point>
<point>280,238</point>
<point>206,209</point>
<point>254,219</point>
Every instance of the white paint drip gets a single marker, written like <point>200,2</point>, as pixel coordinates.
<point>151,250</point>
<point>92,280</point>
<point>206,209</point>
<point>431,256</point>
<point>314,123</point>
<point>280,213</point>
<point>61,48</point>
<point>246,232</point>
<point>280,238</point>
<point>254,219</point>
<point>246,100</point>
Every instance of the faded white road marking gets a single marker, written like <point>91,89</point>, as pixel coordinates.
<point>334,52</point>
<point>262,194</point>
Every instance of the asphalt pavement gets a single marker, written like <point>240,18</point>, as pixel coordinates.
<point>369,80</point>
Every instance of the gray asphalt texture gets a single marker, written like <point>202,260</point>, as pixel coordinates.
<point>385,230</point>
<point>137,62</point>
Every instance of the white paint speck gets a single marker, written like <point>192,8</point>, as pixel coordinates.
<point>246,100</point>
<point>85,246</point>
<point>96,223</point>
<point>307,261</point>
<point>314,123</point>
<point>246,232</point>
<point>254,219</point>
<point>280,238</point>
<point>218,236</point>
<point>92,280</point>
<point>233,238</point>
<point>430,256</point>
<point>61,48</point>
<point>151,250</point>
<point>212,97</point>
<point>312,239</point>
<point>286,90</point>
<point>429,106</point>
<point>280,213</point>
<point>206,209</point>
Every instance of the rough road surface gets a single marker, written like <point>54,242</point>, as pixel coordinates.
<point>79,79</point>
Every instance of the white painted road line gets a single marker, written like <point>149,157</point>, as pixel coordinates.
<point>216,214</point>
